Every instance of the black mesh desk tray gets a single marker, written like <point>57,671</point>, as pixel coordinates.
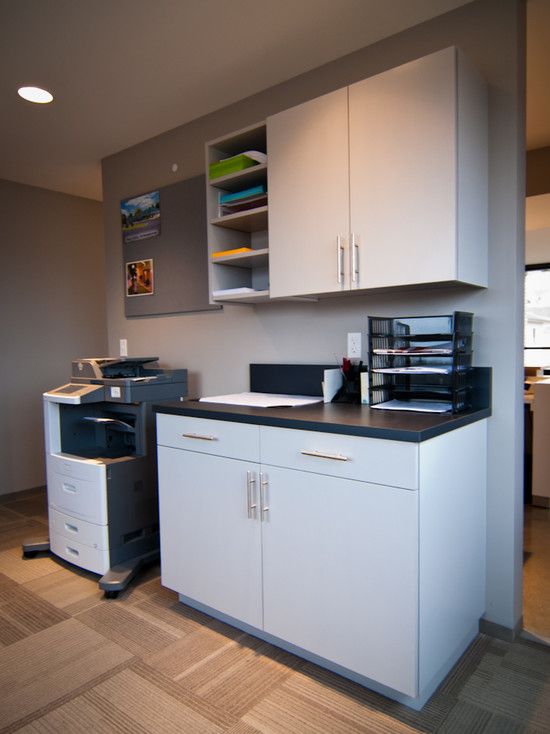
<point>421,363</point>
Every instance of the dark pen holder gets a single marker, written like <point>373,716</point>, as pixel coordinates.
<point>350,392</point>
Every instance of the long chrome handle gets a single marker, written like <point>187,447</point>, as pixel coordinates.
<point>250,504</point>
<point>340,260</point>
<point>264,484</point>
<point>354,254</point>
<point>199,436</point>
<point>320,455</point>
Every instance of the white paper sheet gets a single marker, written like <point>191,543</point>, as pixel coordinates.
<point>418,406</point>
<point>332,382</point>
<point>262,399</point>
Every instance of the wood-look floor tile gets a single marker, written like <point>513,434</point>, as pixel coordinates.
<point>22,614</point>
<point>49,666</point>
<point>149,707</point>
<point>286,711</point>
<point>209,710</point>
<point>8,516</point>
<point>116,621</point>
<point>14,533</point>
<point>240,674</point>
<point>194,649</point>
<point>465,666</point>
<point>320,688</point>
<point>36,505</point>
<point>22,570</point>
<point>465,717</point>
<point>511,691</point>
<point>81,715</point>
<point>22,494</point>
<point>70,589</point>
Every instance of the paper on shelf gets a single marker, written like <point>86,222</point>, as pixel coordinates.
<point>262,399</point>
<point>232,292</point>
<point>256,155</point>
<point>421,370</point>
<point>419,406</point>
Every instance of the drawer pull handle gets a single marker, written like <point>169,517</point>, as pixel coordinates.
<point>339,261</point>
<point>250,505</point>
<point>72,551</point>
<point>320,455</point>
<point>69,487</point>
<point>264,486</point>
<point>199,436</point>
<point>354,251</point>
<point>71,528</point>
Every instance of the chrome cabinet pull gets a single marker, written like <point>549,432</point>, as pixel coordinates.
<point>264,484</point>
<point>250,504</point>
<point>320,455</point>
<point>354,254</point>
<point>199,436</point>
<point>340,260</point>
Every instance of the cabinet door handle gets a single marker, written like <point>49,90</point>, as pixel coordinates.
<point>354,254</point>
<point>264,484</point>
<point>340,260</point>
<point>320,455</point>
<point>250,504</point>
<point>199,436</point>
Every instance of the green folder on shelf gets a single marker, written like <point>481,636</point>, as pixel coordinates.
<point>230,165</point>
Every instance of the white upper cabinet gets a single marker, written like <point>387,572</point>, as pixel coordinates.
<point>308,187</point>
<point>397,168</point>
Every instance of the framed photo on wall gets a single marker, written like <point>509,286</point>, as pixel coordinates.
<point>140,278</point>
<point>140,217</point>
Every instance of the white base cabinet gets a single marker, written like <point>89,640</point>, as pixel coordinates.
<point>339,580</point>
<point>365,553</point>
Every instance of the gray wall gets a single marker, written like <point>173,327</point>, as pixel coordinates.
<point>53,309</point>
<point>217,347</point>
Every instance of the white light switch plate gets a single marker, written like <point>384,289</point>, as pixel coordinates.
<point>354,345</point>
<point>123,347</point>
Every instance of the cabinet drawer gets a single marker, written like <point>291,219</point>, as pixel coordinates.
<point>74,529</point>
<point>221,438</point>
<point>92,559</point>
<point>84,499</point>
<point>394,463</point>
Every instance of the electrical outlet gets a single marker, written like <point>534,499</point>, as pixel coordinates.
<point>123,347</point>
<point>354,345</point>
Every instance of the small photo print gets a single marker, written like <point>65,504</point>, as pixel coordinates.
<point>139,278</point>
<point>140,217</point>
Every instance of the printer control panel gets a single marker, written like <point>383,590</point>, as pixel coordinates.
<point>74,393</point>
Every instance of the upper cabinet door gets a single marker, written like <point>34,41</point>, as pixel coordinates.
<point>308,188</point>
<point>418,172</point>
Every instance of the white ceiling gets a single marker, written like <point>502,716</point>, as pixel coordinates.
<point>123,71</point>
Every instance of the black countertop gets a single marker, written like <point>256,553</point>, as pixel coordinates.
<point>351,420</point>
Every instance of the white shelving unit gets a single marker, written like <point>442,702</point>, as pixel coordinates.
<point>240,229</point>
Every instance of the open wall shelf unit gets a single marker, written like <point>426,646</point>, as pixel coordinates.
<point>246,228</point>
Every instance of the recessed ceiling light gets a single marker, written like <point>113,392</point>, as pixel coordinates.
<point>35,94</point>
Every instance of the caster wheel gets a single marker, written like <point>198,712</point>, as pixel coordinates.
<point>111,594</point>
<point>29,554</point>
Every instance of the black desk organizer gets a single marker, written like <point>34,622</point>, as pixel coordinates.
<point>417,360</point>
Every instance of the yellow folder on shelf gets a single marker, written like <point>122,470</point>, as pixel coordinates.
<point>232,252</point>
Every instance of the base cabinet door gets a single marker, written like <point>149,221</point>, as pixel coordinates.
<point>341,572</point>
<point>210,547</point>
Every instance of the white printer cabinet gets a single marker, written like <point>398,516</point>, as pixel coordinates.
<point>365,553</point>
<point>77,502</point>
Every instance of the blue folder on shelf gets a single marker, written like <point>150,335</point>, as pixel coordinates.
<point>245,194</point>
